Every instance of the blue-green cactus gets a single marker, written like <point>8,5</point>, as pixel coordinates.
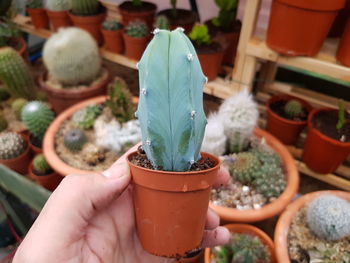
<point>170,108</point>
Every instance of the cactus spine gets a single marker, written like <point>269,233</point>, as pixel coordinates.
<point>3,122</point>
<point>17,106</point>
<point>162,22</point>
<point>58,5</point>
<point>170,75</point>
<point>85,7</point>
<point>72,57</point>
<point>40,164</point>
<point>12,145</point>
<point>293,108</point>
<point>74,140</point>
<point>15,74</point>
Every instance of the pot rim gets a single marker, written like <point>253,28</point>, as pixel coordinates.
<point>36,10</point>
<point>278,205</point>
<point>154,6</point>
<point>57,13</point>
<point>88,19</point>
<point>284,221</point>
<point>314,5</point>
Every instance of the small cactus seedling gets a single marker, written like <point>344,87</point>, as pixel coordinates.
<point>72,57</point>
<point>293,108</point>
<point>214,138</point>
<point>17,106</point>
<point>136,2</point>
<point>12,145</point>
<point>4,95</point>
<point>34,4</point>
<point>173,7</point>
<point>74,140</point>
<point>170,108</point>
<point>200,35</point>
<point>137,29</point>
<point>341,115</point>
<point>3,122</point>
<point>162,22</point>
<point>37,116</point>
<point>15,74</point>
<point>112,25</point>
<point>85,118</point>
<point>58,5</point>
<point>245,166</point>
<point>328,217</point>
<point>227,13</point>
<point>86,7</point>
<point>40,165</point>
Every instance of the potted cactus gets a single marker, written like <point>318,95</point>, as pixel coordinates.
<point>58,12</point>
<point>248,244</point>
<point>9,36</point>
<point>38,14</point>
<point>9,118</point>
<point>169,168</point>
<point>113,36</point>
<point>210,53</point>
<point>75,71</point>
<point>89,15</point>
<point>14,152</point>
<point>179,17</point>
<point>136,37</point>
<point>162,22</point>
<point>264,177</point>
<point>315,228</point>
<point>327,143</point>
<point>137,10</point>
<point>40,171</point>
<point>287,117</point>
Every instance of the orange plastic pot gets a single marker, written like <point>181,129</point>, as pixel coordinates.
<point>61,99</point>
<point>285,220</point>
<point>145,12</point>
<point>323,154</point>
<point>113,40</point>
<point>287,131</point>
<point>343,53</point>
<point>249,230</point>
<point>49,181</point>
<point>59,19</point>
<point>91,24</point>
<point>171,207</point>
<point>39,17</point>
<point>299,27</point>
<point>135,46</point>
<point>211,63</point>
<point>277,206</point>
<point>35,149</point>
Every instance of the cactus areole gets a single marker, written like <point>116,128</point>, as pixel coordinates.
<point>170,108</point>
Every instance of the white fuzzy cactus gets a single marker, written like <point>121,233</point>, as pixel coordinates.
<point>72,56</point>
<point>214,138</point>
<point>239,115</point>
<point>328,217</point>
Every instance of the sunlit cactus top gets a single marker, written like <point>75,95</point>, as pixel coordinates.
<point>170,108</point>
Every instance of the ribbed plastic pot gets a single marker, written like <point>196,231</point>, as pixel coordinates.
<point>135,46</point>
<point>39,17</point>
<point>138,14</point>
<point>49,181</point>
<point>171,207</point>
<point>59,19</point>
<point>343,53</point>
<point>113,40</point>
<point>211,63</point>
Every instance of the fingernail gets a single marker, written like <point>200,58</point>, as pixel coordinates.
<point>116,171</point>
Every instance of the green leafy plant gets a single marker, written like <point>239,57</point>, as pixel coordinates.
<point>173,7</point>
<point>34,4</point>
<point>85,118</point>
<point>341,115</point>
<point>3,122</point>
<point>293,108</point>
<point>74,140</point>
<point>112,25</point>
<point>136,29</point>
<point>12,145</point>
<point>8,31</point>
<point>200,35</point>
<point>162,22</point>
<point>86,7</point>
<point>40,165</point>
<point>59,5</point>
<point>17,106</point>
<point>136,2</point>
<point>227,13</point>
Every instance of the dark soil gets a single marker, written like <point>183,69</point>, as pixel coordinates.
<point>37,173</point>
<point>36,142</point>
<point>183,16</point>
<point>326,122</point>
<point>213,47</point>
<point>278,108</point>
<point>215,30</point>
<point>146,6</point>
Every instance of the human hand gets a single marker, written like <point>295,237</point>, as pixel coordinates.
<point>90,219</point>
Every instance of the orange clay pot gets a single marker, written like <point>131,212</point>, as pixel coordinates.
<point>287,131</point>
<point>113,40</point>
<point>285,220</point>
<point>323,154</point>
<point>171,207</point>
<point>49,139</point>
<point>211,63</point>
<point>272,209</point>
<point>343,53</point>
<point>299,27</point>
<point>35,149</point>
<point>61,99</point>
<point>59,19</point>
<point>145,12</point>
<point>91,24</point>
<point>49,181</point>
<point>39,17</point>
<point>250,230</point>
<point>135,46</point>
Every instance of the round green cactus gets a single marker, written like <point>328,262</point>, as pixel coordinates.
<point>40,164</point>
<point>17,106</point>
<point>74,140</point>
<point>12,145</point>
<point>112,25</point>
<point>58,5</point>
<point>85,118</point>
<point>328,217</point>
<point>293,108</point>
<point>245,166</point>
<point>86,7</point>
<point>162,22</point>
<point>270,185</point>
<point>4,95</point>
<point>3,123</point>
<point>72,57</point>
<point>137,29</point>
<point>37,116</point>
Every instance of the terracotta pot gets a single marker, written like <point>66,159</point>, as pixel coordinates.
<point>250,230</point>
<point>113,40</point>
<point>323,154</point>
<point>135,46</point>
<point>61,99</point>
<point>59,19</point>
<point>272,209</point>
<point>211,63</point>
<point>293,29</point>
<point>145,13</point>
<point>343,53</point>
<point>49,139</point>
<point>287,131</point>
<point>185,19</point>
<point>285,220</point>
<point>339,23</point>
<point>49,181</point>
<point>19,164</point>
<point>171,207</point>
<point>20,45</point>
<point>40,20</point>
<point>35,149</point>
<point>92,24</point>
